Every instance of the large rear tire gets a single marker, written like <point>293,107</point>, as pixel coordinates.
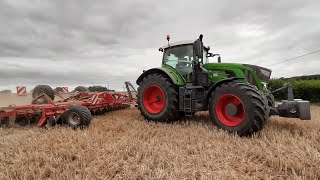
<point>238,108</point>
<point>158,99</point>
<point>40,89</point>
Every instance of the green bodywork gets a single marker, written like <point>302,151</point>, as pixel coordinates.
<point>174,75</point>
<point>219,71</point>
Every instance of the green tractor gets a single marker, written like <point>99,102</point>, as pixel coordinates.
<point>236,95</point>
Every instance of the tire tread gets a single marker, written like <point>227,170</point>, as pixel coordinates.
<point>256,99</point>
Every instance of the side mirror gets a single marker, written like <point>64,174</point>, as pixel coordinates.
<point>213,55</point>
<point>210,55</point>
<point>198,48</point>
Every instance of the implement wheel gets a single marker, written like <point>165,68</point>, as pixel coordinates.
<point>81,89</point>
<point>239,108</point>
<point>78,116</point>
<point>158,98</point>
<point>4,122</point>
<point>22,120</point>
<point>40,89</point>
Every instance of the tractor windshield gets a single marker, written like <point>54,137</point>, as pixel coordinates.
<point>180,58</point>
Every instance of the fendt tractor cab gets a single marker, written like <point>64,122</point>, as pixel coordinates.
<point>236,95</point>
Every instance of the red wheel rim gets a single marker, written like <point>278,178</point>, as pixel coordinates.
<point>154,99</point>
<point>221,110</point>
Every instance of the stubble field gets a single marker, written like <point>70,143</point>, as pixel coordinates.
<point>122,145</point>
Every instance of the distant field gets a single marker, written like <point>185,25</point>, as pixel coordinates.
<point>122,145</point>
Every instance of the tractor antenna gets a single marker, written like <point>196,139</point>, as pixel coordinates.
<point>168,39</point>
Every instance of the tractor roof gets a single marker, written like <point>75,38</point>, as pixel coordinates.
<point>179,43</point>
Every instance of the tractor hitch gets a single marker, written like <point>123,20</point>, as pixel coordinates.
<point>292,108</point>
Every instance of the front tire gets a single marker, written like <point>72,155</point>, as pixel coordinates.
<point>238,108</point>
<point>158,99</point>
<point>271,101</point>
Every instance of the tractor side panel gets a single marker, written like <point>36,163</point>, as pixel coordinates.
<point>171,73</point>
<point>192,99</point>
<point>219,71</point>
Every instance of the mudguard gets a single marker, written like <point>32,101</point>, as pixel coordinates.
<point>218,84</point>
<point>167,71</point>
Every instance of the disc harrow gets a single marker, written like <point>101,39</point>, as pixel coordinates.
<point>78,107</point>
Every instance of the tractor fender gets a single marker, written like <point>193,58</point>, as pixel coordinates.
<point>218,84</point>
<point>173,75</point>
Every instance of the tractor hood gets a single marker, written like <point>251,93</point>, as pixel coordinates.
<point>263,73</point>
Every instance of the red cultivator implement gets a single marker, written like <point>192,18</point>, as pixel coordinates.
<point>76,110</point>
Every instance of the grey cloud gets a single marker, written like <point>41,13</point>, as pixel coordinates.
<point>123,36</point>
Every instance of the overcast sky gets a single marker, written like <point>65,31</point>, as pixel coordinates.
<point>75,42</point>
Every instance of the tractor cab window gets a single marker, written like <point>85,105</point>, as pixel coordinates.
<point>180,58</point>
